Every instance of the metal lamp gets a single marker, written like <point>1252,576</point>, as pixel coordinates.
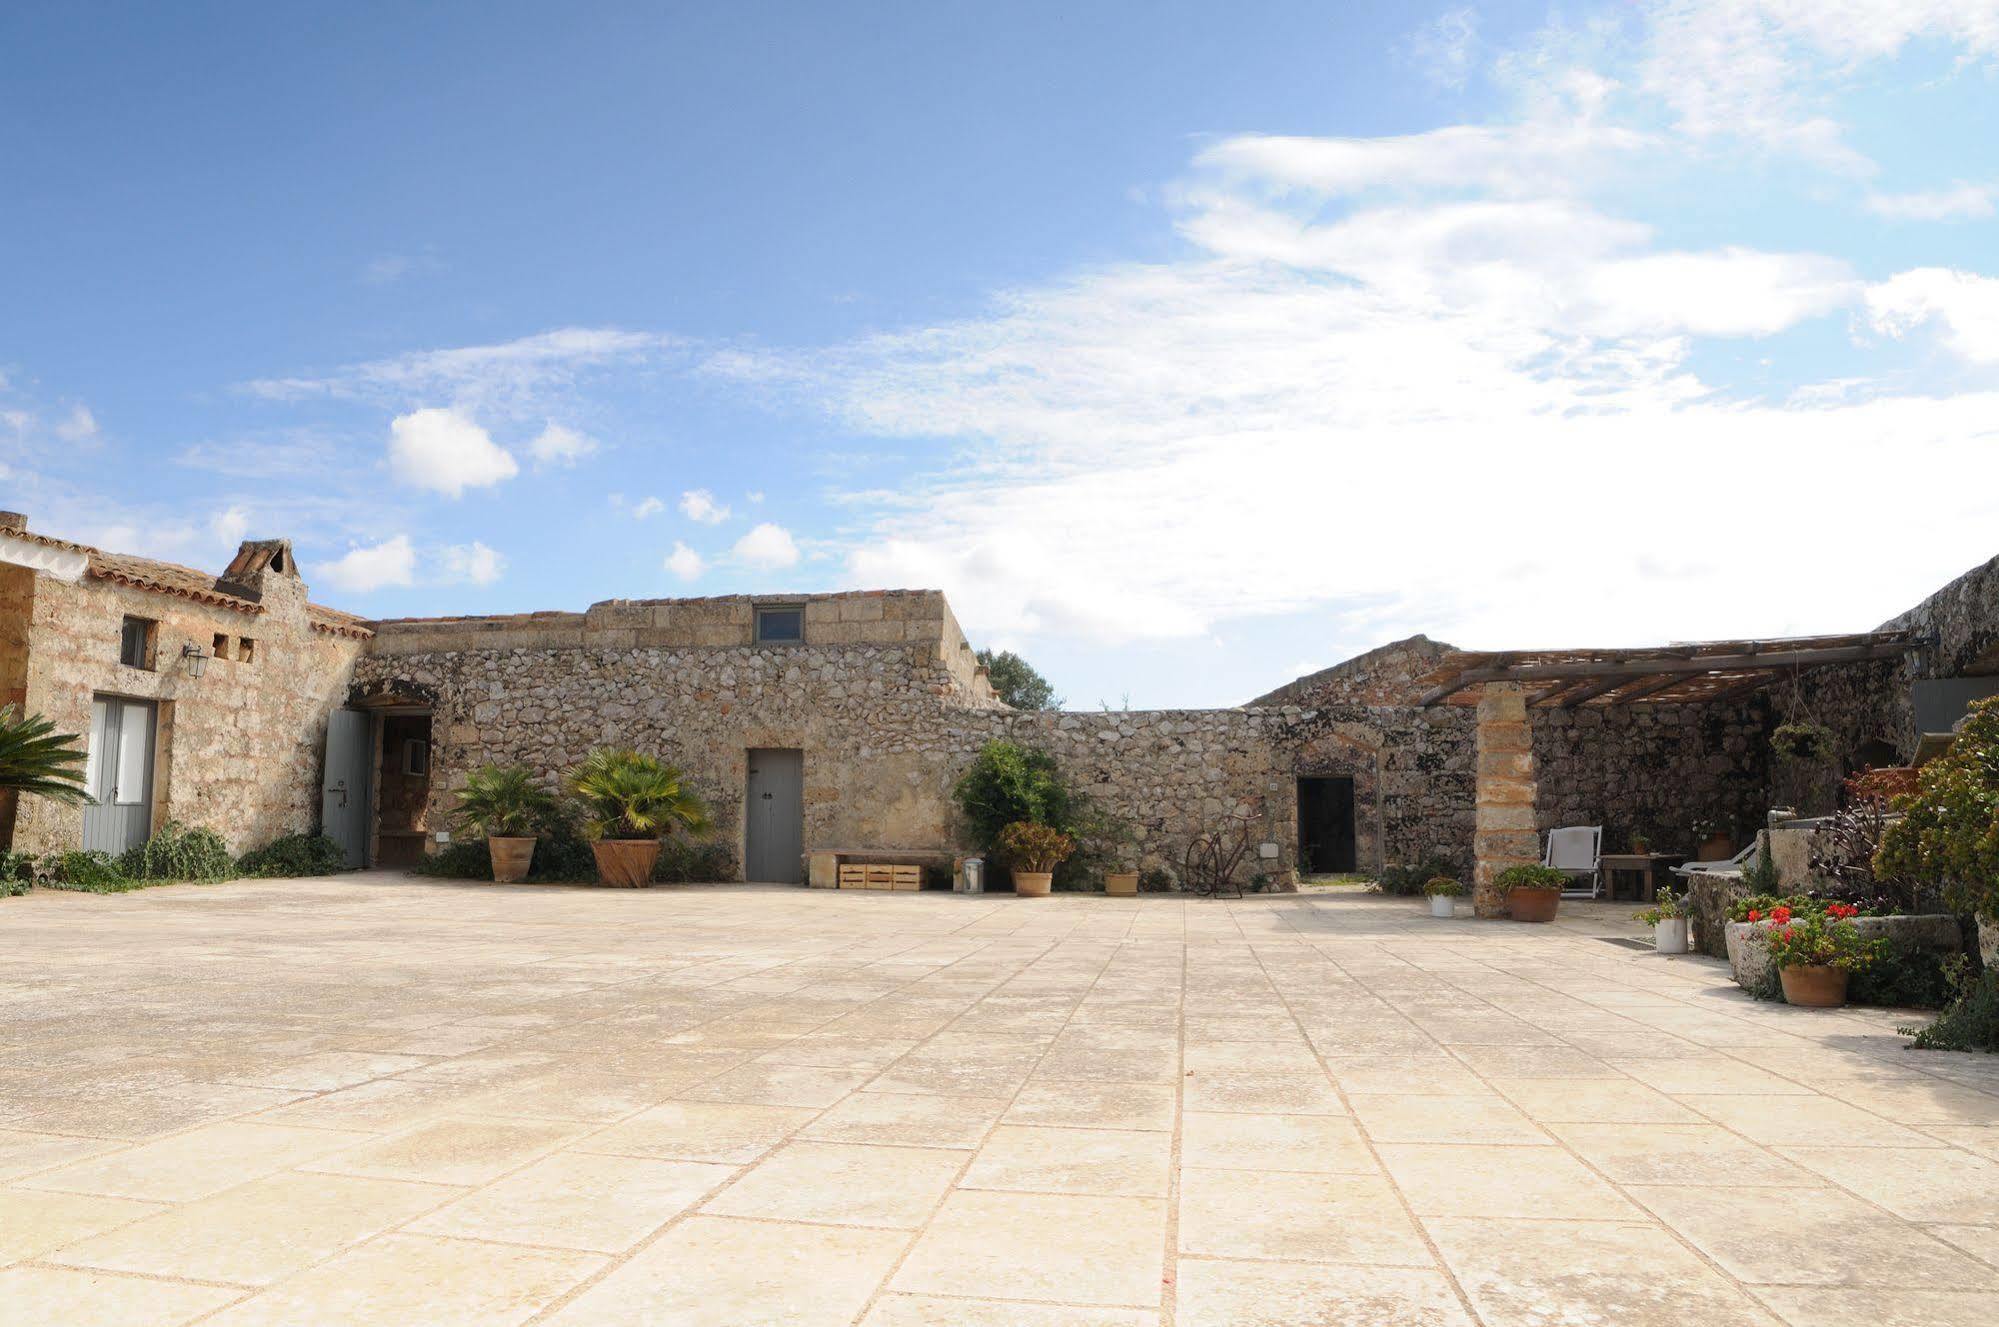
<point>197,662</point>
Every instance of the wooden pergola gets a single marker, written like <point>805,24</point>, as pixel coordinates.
<point>1690,673</point>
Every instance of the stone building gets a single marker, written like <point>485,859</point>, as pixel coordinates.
<point>842,721</point>
<point>205,697</point>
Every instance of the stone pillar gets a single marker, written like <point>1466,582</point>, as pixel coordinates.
<point>1504,832</point>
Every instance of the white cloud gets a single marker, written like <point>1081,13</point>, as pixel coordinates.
<point>1960,202</point>
<point>685,563</point>
<point>1532,158</point>
<point>516,377</point>
<point>1964,304</point>
<point>698,504</point>
<point>391,562</point>
<point>648,507</point>
<point>230,524</point>
<point>755,495</point>
<point>559,445</point>
<point>1446,47</point>
<point>79,425</point>
<point>767,547</point>
<point>472,563</point>
<point>445,452</point>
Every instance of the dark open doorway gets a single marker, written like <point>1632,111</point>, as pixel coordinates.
<point>402,824</point>
<point>1325,825</point>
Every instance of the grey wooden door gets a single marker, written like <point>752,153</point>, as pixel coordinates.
<point>343,789</point>
<point>119,772</point>
<point>774,822</point>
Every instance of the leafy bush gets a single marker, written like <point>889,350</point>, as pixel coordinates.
<point>1443,886</point>
<point>1008,783</point>
<point>292,856</point>
<point>1015,681</point>
<point>1529,877</point>
<point>1155,880</point>
<point>87,872</point>
<point>1949,832</point>
<point>1970,1022</point>
<point>1408,880</point>
<point>461,859</point>
<point>1760,876</point>
<point>1904,977</point>
<point>682,862</point>
<point>562,856</point>
<point>17,873</point>
<point>1032,847</point>
<point>176,852</point>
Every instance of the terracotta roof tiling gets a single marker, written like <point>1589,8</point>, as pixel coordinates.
<point>166,578</point>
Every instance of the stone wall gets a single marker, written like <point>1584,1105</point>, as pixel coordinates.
<point>1653,769</point>
<point>238,749</point>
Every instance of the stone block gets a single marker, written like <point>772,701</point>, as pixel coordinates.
<point>1501,702</point>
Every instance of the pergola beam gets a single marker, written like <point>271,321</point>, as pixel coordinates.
<point>1648,664</point>
<point>1585,694</point>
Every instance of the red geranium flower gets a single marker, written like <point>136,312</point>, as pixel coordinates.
<point>1780,914</point>
<point>1755,916</point>
<point>1841,911</point>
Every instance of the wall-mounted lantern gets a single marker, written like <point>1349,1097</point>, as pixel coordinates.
<point>196,661</point>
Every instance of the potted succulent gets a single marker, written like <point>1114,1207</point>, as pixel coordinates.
<point>1034,852</point>
<point>633,801</point>
<point>1442,891</point>
<point>1668,919</point>
<point>1533,893</point>
<point>1814,953</point>
<point>505,805</point>
<point>1641,842</point>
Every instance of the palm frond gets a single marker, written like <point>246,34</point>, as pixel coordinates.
<point>38,760</point>
<point>636,796</point>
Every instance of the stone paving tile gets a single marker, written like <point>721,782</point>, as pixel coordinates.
<point>747,1105</point>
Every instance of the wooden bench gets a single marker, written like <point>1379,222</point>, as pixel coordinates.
<point>873,868</point>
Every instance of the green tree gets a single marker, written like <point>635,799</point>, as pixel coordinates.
<point>1949,831</point>
<point>35,758</point>
<point>1017,682</point>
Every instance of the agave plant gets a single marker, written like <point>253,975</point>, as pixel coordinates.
<point>504,801</point>
<point>36,759</point>
<point>634,796</point>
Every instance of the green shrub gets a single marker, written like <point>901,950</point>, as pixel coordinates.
<point>561,856</point>
<point>1760,876</point>
<point>1530,877</point>
<point>461,859</point>
<point>1971,1021</point>
<point>17,873</point>
<point>292,856</point>
<point>87,872</point>
<point>179,853</point>
<point>1408,880</point>
<point>1906,977</point>
<point>683,862</point>
<point>1443,886</point>
<point>1949,832</point>
<point>1155,880</point>
<point>1008,783</point>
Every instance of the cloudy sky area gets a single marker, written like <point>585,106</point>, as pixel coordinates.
<point>1187,347</point>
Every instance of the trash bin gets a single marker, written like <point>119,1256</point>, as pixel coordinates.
<point>972,880</point>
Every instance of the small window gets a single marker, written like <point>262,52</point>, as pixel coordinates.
<point>246,649</point>
<point>780,626</point>
<point>135,643</point>
<point>416,757</point>
<point>221,646</point>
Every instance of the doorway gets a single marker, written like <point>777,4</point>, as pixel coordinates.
<point>402,800</point>
<point>774,817</point>
<point>1325,825</point>
<point>119,773</point>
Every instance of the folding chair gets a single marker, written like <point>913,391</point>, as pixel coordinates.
<point>1577,852</point>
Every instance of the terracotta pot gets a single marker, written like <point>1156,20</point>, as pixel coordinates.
<point>1533,905</point>
<point>1033,884</point>
<point>511,857</point>
<point>1124,884</point>
<point>626,862</point>
<point>1717,848</point>
<point>1814,988</point>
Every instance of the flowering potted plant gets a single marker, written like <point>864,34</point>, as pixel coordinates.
<point>1533,893</point>
<point>1442,891</point>
<point>1035,851</point>
<point>1668,919</point>
<point>1715,844</point>
<point>1814,953</point>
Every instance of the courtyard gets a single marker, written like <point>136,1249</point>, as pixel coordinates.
<point>374,1099</point>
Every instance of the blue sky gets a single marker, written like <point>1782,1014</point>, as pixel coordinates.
<point>1188,347</point>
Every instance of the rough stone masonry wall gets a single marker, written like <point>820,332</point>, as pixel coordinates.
<point>237,750</point>
<point>1652,768</point>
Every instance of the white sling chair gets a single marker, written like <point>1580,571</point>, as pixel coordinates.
<point>1577,852</point>
<point>1738,862</point>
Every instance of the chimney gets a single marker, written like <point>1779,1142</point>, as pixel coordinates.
<point>15,521</point>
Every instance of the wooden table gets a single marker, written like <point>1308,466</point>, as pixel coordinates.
<point>1645,865</point>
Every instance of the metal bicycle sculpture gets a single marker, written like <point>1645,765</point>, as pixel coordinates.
<point>1212,857</point>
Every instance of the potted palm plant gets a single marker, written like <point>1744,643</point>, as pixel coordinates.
<point>506,805</point>
<point>1443,892</point>
<point>1533,893</point>
<point>1668,919</point>
<point>38,760</point>
<point>1034,851</point>
<point>633,801</point>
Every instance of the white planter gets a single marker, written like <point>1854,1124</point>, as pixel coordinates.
<point>1440,905</point>
<point>1670,936</point>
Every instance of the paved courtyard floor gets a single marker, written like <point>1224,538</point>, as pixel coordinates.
<point>379,1100</point>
